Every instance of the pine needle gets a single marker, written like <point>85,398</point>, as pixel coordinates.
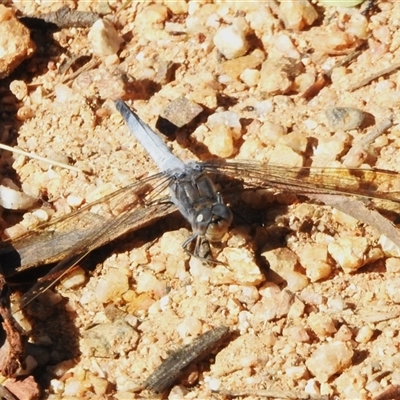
<point>36,157</point>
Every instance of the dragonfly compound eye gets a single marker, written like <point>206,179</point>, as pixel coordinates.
<point>220,221</point>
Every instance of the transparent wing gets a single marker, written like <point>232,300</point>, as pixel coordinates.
<point>378,184</point>
<point>73,236</point>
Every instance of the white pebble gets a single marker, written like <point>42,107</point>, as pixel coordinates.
<point>329,359</point>
<point>72,388</point>
<point>190,326</point>
<point>74,201</point>
<point>104,38</point>
<point>74,279</point>
<point>214,384</point>
<point>364,334</point>
<point>250,76</point>
<point>111,286</point>
<point>349,252</point>
<point>231,42</point>
<point>220,141</point>
<point>393,289</point>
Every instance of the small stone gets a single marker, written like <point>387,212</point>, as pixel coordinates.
<point>74,201</point>
<point>111,286</point>
<point>181,111</point>
<point>284,263</point>
<point>19,89</point>
<point>275,303</point>
<point>25,389</point>
<point>74,279</point>
<point>364,334</point>
<point>393,289</point>
<point>250,77</point>
<point>231,42</point>
<point>12,199</point>
<point>109,340</point>
<point>286,156</point>
<point>329,359</point>
<point>352,253</point>
<point>104,38</point>
<point>235,67</point>
<point>344,118</point>
<point>314,259</point>
<point>296,372</point>
<point>190,326</point>
<point>393,265</point>
<point>321,324</point>
<point>220,141</point>
<point>284,45</point>
<point>15,42</point>
<point>241,270</point>
<point>275,77</point>
<point>147,282</point>
<point>297,14</point>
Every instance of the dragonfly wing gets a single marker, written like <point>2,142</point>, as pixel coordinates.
<point>120,212</point>
<point>130,221</point>
<point>370,183</point>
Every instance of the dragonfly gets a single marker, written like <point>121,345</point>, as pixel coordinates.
<point>184,186</point>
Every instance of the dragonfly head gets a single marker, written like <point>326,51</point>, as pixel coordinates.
<point>213,222</point>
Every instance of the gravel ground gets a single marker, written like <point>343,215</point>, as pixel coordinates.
<point>311,294</point>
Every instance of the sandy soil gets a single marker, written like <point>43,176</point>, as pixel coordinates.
<point>311,294</point>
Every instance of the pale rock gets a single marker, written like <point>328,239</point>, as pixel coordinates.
<point>393,289</point>
<point>329,359</point>
<point>296,141</point>
<point>146,282</point>
<point>312,387</point>
<point>73,388</point>
<point>15,42</point>
<point>19,89</point>
<point>297,334</point>
<point>231,41</point>
<point>364,334</point>
<point>284,155</point>
<point>220,141</point>
<point>297,14</point>
<point>344,118</point>
<point>314,258</point>
<point>352,253</point>
<point>328,41</point>
<point>321,324</point>
<point>393,265</point>
<point>250,77</point>
<point>389,247</point>
<point>236,66</point>
<point>296,309</point>
<point>241,268</point>
<point>303,82</point>
<point>344,334</point>
<point>104,38</point>
<point>111,286</point>
<point>109,340</point>
<point>274,76</point>
<point>190,326</point>
<point>13,199</point>
<point>74,279</point>
<point>284,45</point>
<point>285,263</point>
<point>275,303</point>
<point>351,384</point>
<point>296,372</point>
